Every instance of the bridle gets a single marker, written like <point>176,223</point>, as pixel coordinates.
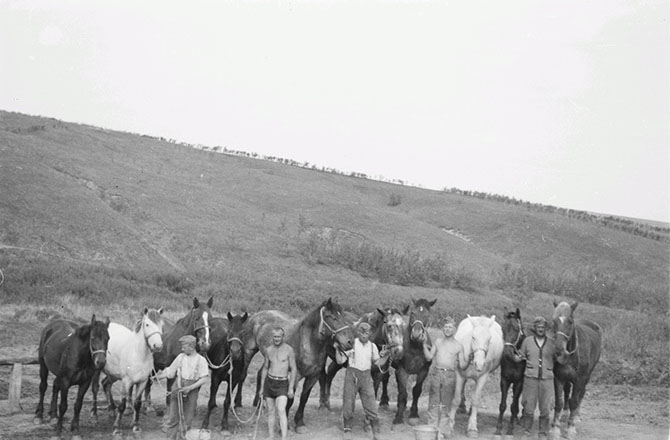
<point>519,337</point>
<point>195,329</point>
<point>156,332</point>
<point>567,339</point>
<point>324,323</point>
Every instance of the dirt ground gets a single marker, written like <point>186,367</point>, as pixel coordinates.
<point>608,412</point>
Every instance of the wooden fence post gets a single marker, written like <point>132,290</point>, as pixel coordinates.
<point>15,388</point>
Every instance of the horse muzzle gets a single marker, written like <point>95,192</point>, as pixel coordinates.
<point>99,361</point>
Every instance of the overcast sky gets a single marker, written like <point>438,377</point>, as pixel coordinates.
<point>560,103</point>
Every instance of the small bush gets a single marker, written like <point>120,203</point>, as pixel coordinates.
<point>394,199</point>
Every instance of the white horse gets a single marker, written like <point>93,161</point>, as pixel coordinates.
<point>130,360</point>
<point>482,337</point>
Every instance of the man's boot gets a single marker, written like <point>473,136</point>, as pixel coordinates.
<point>375,429</point>
<point>348,422</point>
<point>526,424</point>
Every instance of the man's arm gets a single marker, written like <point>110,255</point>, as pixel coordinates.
<point>293,371</point>
<point>429,350</point>
<point>266,366</point>
<point>380,358</point>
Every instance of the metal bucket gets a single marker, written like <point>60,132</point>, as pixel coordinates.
<point>425,432</point>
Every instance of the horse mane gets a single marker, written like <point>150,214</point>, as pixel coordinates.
<point>153,315</point>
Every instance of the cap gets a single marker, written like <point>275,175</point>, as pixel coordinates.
<point>187,339</point>
<point>539,320</point>
<point>364,327</point>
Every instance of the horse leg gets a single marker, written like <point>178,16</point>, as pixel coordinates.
<point>474,405</point>
<point>95,386</point>
<point>504,388</point>
<point>384,401</point>
<point>233,382</point>
<point>211,404</point>
<point>137,405</point>
<point>78,403</point>
<point>44,375</point>
<point>107,388</point>
<point>578,390</point>
<point>148,404</point>
<point>325,382</point>
<point>257,396</point>
<point>401,377</point>
<point>64,387</point>
<point>306,389</point>
<point>416,393</point>
<point>516,394</point>
<point>55,389</point>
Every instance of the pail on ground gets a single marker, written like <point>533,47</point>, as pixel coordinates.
<point>425,432</point>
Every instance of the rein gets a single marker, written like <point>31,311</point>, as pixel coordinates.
<point>213,366</point>
<point>324,323</point>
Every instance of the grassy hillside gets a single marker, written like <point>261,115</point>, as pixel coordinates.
<point>110,219</point>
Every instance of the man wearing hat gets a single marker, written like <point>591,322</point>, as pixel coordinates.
<point>357,379</point>
<point>191,371</point>
<point>445,355</point>
<point>538,384</point>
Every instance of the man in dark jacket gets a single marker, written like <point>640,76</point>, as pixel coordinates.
<point>538,384</point>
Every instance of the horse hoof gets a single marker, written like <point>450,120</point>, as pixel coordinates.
<point>38,421</point>
<point>76,437</point>
<point>413,421</point>
<point>384,406</point>
<point>572,433</point>
<point>472,433</point>
<point>497,437</point>
<point>300,429</point>
<point>225,433</point>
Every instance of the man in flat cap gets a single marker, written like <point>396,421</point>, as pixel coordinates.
<point>538,384</point>
<point>446,354</point>
<point>357,379</point>
<point>191,371</point>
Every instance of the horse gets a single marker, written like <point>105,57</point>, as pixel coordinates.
<point>195,323</point>
<point>73,353</point>
<point>309,337</point>
<point>130,359</point>
<point>387,330</point>
<point>413,360</point>
<point>511,371</point>
<point>482,338</point>
<point>577,346</point>
<point>226,362</point>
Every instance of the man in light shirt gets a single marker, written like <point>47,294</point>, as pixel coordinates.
<point>191,371</point>
<point>357,379</point>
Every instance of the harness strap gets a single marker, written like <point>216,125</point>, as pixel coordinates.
<point>324,323</point>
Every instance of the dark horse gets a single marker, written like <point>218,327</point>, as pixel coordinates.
<point>225,359</point>
<point>511,371</point>
<point>413,360</point>
<point>577,351</point>
<point>195,323</point>
<point>309,338</point>
<point>73,353</point>
<point>387,330</point>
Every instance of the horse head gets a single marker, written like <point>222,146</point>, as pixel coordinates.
<point>334,320</point>
<point>513,333</point>
<point>235,333</point>
<point>96,336</point>
<point>418,318</point>
<point>393,331</point>
<point>151,324</point>
<point>563,327</point>
<point>200,315</point>
<point>481,340</point>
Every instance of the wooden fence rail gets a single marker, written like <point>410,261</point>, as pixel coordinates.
<point>14,395</point>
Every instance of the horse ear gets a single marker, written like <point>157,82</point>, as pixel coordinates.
<point>210,302</point>
<point>245,316</point>
<point>574,305</point>
<point>196,303</point>
<point>160,311</point>
<point>493,319</point>
<point>381,312</point>
<point>518,313</point>
<point>432,303</point>
<point>406,310</point>
<point>555,302</point>
<point>230,316</point>
<point>414,302</point>
<point>146,310</point>
<point>107,321</point>
<point>93,319</point>
<point>329,303</point>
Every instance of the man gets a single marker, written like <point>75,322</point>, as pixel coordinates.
<point>191,371</point>
<point>446,354</point>
<point>538,384</point>
<point>358,379</point>
<point>278,380</point>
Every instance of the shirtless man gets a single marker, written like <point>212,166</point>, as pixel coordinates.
<point>278,380</point>
<point>446,354</point>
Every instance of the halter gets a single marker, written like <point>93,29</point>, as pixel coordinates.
<point>519,337</point>
<point>384,333</point>
<point>323,322</point>
<point>94,352</point>
<point>147,337</point>
<point>195,329</point>
<point>568,338</point>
